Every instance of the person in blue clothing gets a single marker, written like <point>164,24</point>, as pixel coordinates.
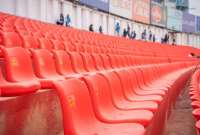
<point>67,20</point>
<point>117,28</point>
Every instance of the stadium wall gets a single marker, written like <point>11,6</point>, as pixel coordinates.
<point>82,16</point>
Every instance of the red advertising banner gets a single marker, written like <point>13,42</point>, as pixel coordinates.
<point>158,14</point>
<point>141,11</point>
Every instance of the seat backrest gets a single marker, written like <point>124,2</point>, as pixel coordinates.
<point>30,42</point>
<point>44,63</point>
<point>45,44</point>
<point>58,45</point>
<point>98,61</point>
<point>100,92</point>
<point>76,106</point>
<point>113,61</point>
<point>10,39</point>
<point>115,86</point>
<point>18,64</point>
<point>139,77</point>
<point>106,61</point>
<point>77,62</point>
<point>88,62</point>
<point>63,62</point>
<point>126,81</point>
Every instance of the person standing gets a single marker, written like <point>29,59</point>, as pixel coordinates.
<point>174,41</point>
<point>117,28</point>
<point>144,34</point>
<point>150,36</point>
<point>154,38</point>
<point>91,28</point>
<point>60,21</point>
<point>67,20</point>
<point>128,31</point>
<point>100,29</point>
<point>125,33</point>
<point>133,35</point>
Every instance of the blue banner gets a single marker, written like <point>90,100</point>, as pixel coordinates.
<point>188,22</point>
<point>198,24</point>
<point>99,4</point>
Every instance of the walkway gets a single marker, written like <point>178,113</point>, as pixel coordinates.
<point>181,121</point>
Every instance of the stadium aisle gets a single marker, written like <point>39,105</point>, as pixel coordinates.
<point>181,121</point>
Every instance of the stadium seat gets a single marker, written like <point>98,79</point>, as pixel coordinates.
<point>98,62</point>
<point>8,89</point>
<point>44,65</point>
<point>77,62</point>
<point>45,44</point>
<point>16,59</point>
<point>88,62</point>
<point>58,45</point>
<point>77,108</point>
<point>118,96</point>
<point>104,108</point>
<point>63,63</point>
<point>30,42</point>
<point>10,39</point>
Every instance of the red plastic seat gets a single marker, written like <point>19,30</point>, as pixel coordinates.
<point>104,108</point>
<point>114,61</point>
<point>17,88</point>
<point>106,61</point>
<point>58,45</point>
<point>88,62</point>
<point>98,62</point>
<point>196,113</point>
<point>77,109</point>
<point>197,125</point>
<point>16,59</point>
<point>131,93</point>
<point>18,64</point>
<point>119,98</point>
<point>30,42</point>
<point>44,65</point>
<point>10,39</point>
<point>45,44</point>
<point>77,62</point>
<point>63,63</point>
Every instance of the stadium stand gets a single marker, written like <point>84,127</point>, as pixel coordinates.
<point>194,95</point>
<point>106,85</point>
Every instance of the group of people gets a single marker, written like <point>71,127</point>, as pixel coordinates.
<point>91,28</point>
<point>150,37</point>
<point>64,20</point>
<point>165,39</point>
<point>127,33</point>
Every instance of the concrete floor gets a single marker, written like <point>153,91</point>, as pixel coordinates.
<point>181,121</point>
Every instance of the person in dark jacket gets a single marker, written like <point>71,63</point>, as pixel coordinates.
<point>150,36</point>
<point>154,38</point>
<point>133,35</point>
<point>144,35</point>
<point>91,28</point>
<point>100,29</point>
<point>128,30</point>
<point>125,33</point>
<point>61,20</point>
